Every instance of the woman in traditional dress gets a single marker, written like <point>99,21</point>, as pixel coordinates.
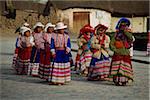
<point>18,30</point>
<point>45,53</point>
<point>100,63</point>
<point>35,54</point>
<point>60,47</point>
<point>24,44</point>
<point>121,68</point>
<point>84,54</point>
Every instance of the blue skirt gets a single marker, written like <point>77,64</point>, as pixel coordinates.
<point>102,58</point>
<point>35,55</point>
<point>99,68</point>
<point>61,56</point>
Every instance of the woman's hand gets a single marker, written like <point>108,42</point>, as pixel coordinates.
<point>127,29</point>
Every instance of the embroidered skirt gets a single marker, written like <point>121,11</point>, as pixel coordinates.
<point>60,68</point>
<point>84,62</point>
<point>34,62</point>
<point>23,60</point>
<point>99,68</point>
<point>121,69</point>
<point>44,66</point>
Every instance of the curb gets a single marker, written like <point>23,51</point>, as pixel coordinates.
<point>135,60</point>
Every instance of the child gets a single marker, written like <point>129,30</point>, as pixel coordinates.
<point>17,48</point>
<point>24,44</point>
<point>100,63</point>
<point>84,54</point>
<point>35,54</point>
<point>45,54</point>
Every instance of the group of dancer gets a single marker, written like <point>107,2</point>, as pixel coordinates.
<point>93,59</point>
<point>46,53</point>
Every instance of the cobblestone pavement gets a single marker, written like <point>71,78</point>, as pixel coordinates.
<point>15,87</point>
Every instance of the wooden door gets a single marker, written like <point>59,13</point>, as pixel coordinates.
<point>79,20</point>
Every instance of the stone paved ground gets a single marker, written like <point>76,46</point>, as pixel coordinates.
<point>14,87</point>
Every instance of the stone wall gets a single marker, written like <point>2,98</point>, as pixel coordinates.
<point>30,17</point>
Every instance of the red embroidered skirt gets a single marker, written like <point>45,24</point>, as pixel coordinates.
<point>23,60</point>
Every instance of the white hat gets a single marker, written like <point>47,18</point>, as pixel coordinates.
<point>60,25</point>
<point>38,24</point>
<point>21,29</point>
<point>25,29</point>
<point>49,25</point>
<point>26,24</point>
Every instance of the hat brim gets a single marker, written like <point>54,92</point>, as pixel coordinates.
<point>88,30</point>
<point>63,27</point>
<point>101,26</point>
<point>82,31</point>
<point>38,26</point>
<point>52,26</point>
<point>25,30</point>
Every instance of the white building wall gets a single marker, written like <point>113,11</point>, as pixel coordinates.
<point>96,16</point>
<point>138,24</point>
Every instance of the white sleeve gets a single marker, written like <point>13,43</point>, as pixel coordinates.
<point>19,42</point>
<point>32,40</point>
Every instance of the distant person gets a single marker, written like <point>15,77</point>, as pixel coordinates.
<point>84,54</point>
<point>24,44</point>
<point>148,49</point>
<point>100,63</point>
<point>121,68</point>
<point>131,48</point>
<point>35,54</point>
<point>148,44</point>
